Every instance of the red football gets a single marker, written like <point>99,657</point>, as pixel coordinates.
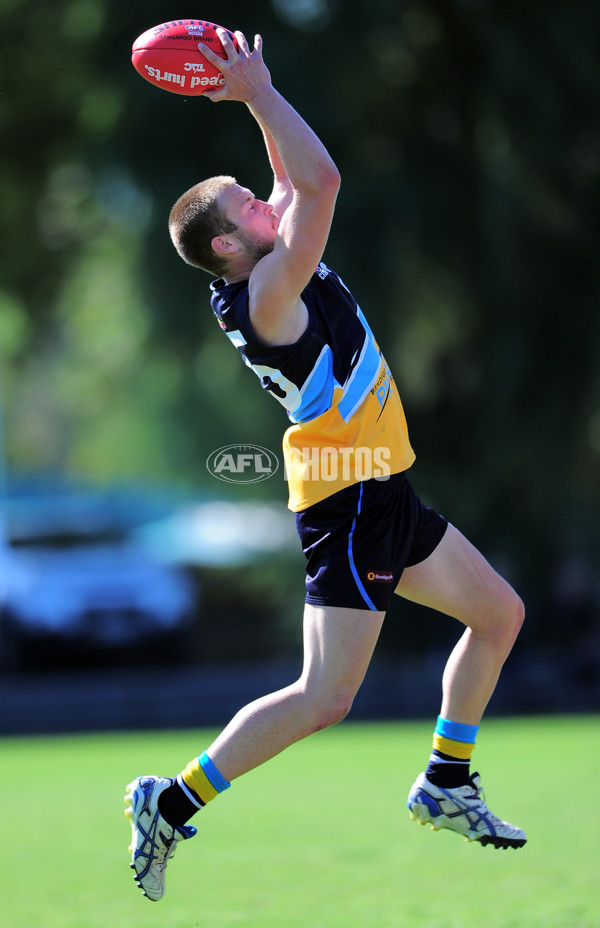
<point>168,56</point>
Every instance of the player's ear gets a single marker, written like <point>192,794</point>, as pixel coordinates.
<point>224,245</point>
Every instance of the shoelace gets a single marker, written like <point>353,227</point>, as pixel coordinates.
<point>165,851</point>
<point>482,809</point>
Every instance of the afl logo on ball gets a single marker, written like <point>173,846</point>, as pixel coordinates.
<point>242,463</point>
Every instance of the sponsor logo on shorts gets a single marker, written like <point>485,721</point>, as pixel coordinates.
<point>380,576</point>
<point>242,463</point>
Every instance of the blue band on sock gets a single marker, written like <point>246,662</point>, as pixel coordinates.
<point>215,776</point>
<point>456,731</point>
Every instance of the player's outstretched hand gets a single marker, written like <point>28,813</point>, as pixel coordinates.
<point>246,75</point>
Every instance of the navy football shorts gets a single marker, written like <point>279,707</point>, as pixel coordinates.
<point>358,541</point>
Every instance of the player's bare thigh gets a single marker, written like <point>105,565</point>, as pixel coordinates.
<point>457,580</point>
<point>338,646</point>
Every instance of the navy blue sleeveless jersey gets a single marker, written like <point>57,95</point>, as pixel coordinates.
<point>333,382</point>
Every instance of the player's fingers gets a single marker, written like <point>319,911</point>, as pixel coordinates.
<point>208,52</point>
<point>242,42</point>
<point>213,95</point>
<point>227,43</point>
<point>258,43</point>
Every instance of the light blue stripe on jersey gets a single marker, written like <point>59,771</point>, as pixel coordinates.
<point>316,394</point>
<point>357,579</point>
<point>361,380</point>
<point>363,319</point>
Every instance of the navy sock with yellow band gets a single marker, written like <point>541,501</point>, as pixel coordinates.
<point>201,781</point>
<point>453,744</point>
<point>198,784</point>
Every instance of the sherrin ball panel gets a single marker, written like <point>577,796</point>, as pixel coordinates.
<point>167,56</point>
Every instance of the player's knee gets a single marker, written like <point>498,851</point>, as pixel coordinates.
<point>332,710</point>
<point>518,614</point>
<point>510,615</point>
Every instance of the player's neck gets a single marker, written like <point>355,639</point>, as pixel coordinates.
<point>239,270</point>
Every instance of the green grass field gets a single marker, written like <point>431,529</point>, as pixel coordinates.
<point>319,837</point>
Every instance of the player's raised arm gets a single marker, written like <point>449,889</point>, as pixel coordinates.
<point>277,280</point>
<point>254,77</point>
<point>282,193</point>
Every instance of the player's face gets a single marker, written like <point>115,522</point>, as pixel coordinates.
<point>256,222</point>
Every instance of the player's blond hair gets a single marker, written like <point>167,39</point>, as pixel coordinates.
<point>194,221</point>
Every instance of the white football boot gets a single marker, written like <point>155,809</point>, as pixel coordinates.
<point>463,810</point>
<point>153,840</point>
